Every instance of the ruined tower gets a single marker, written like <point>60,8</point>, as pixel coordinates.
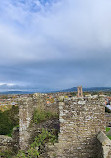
<point>79,91</point>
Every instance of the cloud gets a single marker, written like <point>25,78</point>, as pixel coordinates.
<point>55,44</point>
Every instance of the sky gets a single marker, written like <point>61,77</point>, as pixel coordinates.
<point>55,44</point>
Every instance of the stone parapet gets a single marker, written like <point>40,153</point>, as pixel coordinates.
<point>106,145</point>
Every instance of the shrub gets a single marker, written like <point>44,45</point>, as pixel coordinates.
<point>73,93</point>
<point>5,124</point>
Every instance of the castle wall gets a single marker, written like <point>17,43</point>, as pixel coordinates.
<point>26,110</point>
<point>80,122</point>
<point>25,115</point>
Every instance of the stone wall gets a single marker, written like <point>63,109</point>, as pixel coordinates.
<point>25,115</point>
<point>80,122</point>
<point>10,143</point>
<point>26,110</point>
<point>105,144</point>
<point>5,143</point>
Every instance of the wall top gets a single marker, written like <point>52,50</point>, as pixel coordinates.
<point>83,100</point>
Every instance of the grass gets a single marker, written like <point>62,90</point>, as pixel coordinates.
<point>6,154</point>
<point>10,133</point>
<point>109,137</point>
<point>107,129</point>
<point>8,120</point>
<point>41,115</point>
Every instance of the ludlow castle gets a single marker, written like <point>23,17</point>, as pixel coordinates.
<point>81,126</point>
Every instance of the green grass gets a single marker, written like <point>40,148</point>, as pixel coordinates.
<point>10,133</point>
<point>6,154</point>
<point>107,129</point>
<point>8,120</point>
<point>109,137</point>
<point>42,115</point>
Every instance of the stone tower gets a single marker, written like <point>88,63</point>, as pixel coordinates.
<point>79,92</point>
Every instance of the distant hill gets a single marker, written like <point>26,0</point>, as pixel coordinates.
<point>74,89</point>
<point>15,92</point>
<point>88,89</point>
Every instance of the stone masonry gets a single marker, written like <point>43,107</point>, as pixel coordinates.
<point>79,92</point>
<point>25,116</point>
<point>105,144</point>
<point>6,143</point>
<point>26,111</point>
<point>80,122</point>
<point>81,119</point>
<point>9,143</point>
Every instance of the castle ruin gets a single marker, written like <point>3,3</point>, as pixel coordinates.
<point>82,124</point>
<point>81,119</point>
<point>79,92</point>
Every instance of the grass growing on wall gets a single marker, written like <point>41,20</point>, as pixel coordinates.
<point>36,148</point>
<point>109,137</point>
<point>6,154</point>
<point>11,131</point>
<point>41,115</point>
<point>8,120</point>
<point>107,129</point>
